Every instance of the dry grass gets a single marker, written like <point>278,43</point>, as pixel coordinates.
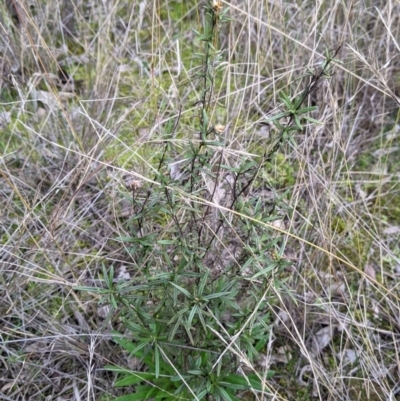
<point>67,149</point>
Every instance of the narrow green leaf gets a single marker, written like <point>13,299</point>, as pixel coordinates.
<point>134,379</point>
<point>304,110</point>
<point>138,396</point>
<point>174,329</point>
<point>157,361</point>
<point>166,242</point>
<point>195,372</point>
<point>144,343</point>
<point>182,290</point>
<point>312,120</point>
<point>201,395</point>
<point>192,313</point>
<point>203,323</point>
<point>264,272</point>
<point>217,295</point>
<point>224,394</point>
<point>277,117</point>
<point>203,283</point>
<point>92,289</point>
<point>242,383</point>
<point>298,123</point>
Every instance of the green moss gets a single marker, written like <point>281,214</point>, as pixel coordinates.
<point>279,173</point>
<point>359,389</point>
<point>339,225</point>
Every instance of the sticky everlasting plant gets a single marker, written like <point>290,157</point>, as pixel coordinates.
<point>196,318</point>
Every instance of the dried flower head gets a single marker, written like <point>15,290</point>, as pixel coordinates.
<point>219,128</point>
<point>217,6</point>
<point>134,185</point>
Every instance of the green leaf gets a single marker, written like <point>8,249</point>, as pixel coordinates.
<point>201,395</point>
<point>277,117</point>
<point>304,110</point>
<point>126,239</point>
<point>108,277</point>
<point>217,295</point>
<point>144,343</point>
<point>92,289</point>
<point>213,143</point>
<point>157,361</point>
<point>286,100</point>
<point>224,394</point>
<point>265,271</point>
<point>298,123</point>
<point>162,277</point>
<point>194,310</point>
<point>239,382</point>
<point>203,323</point>
<point>166,241</point>
<point>182,290</point>
<point>195,372</point>
<point>138,396</point>
<point>134,379</point>
<point>135,328</point>
<point>203,283</point>
<point>312,120</point>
